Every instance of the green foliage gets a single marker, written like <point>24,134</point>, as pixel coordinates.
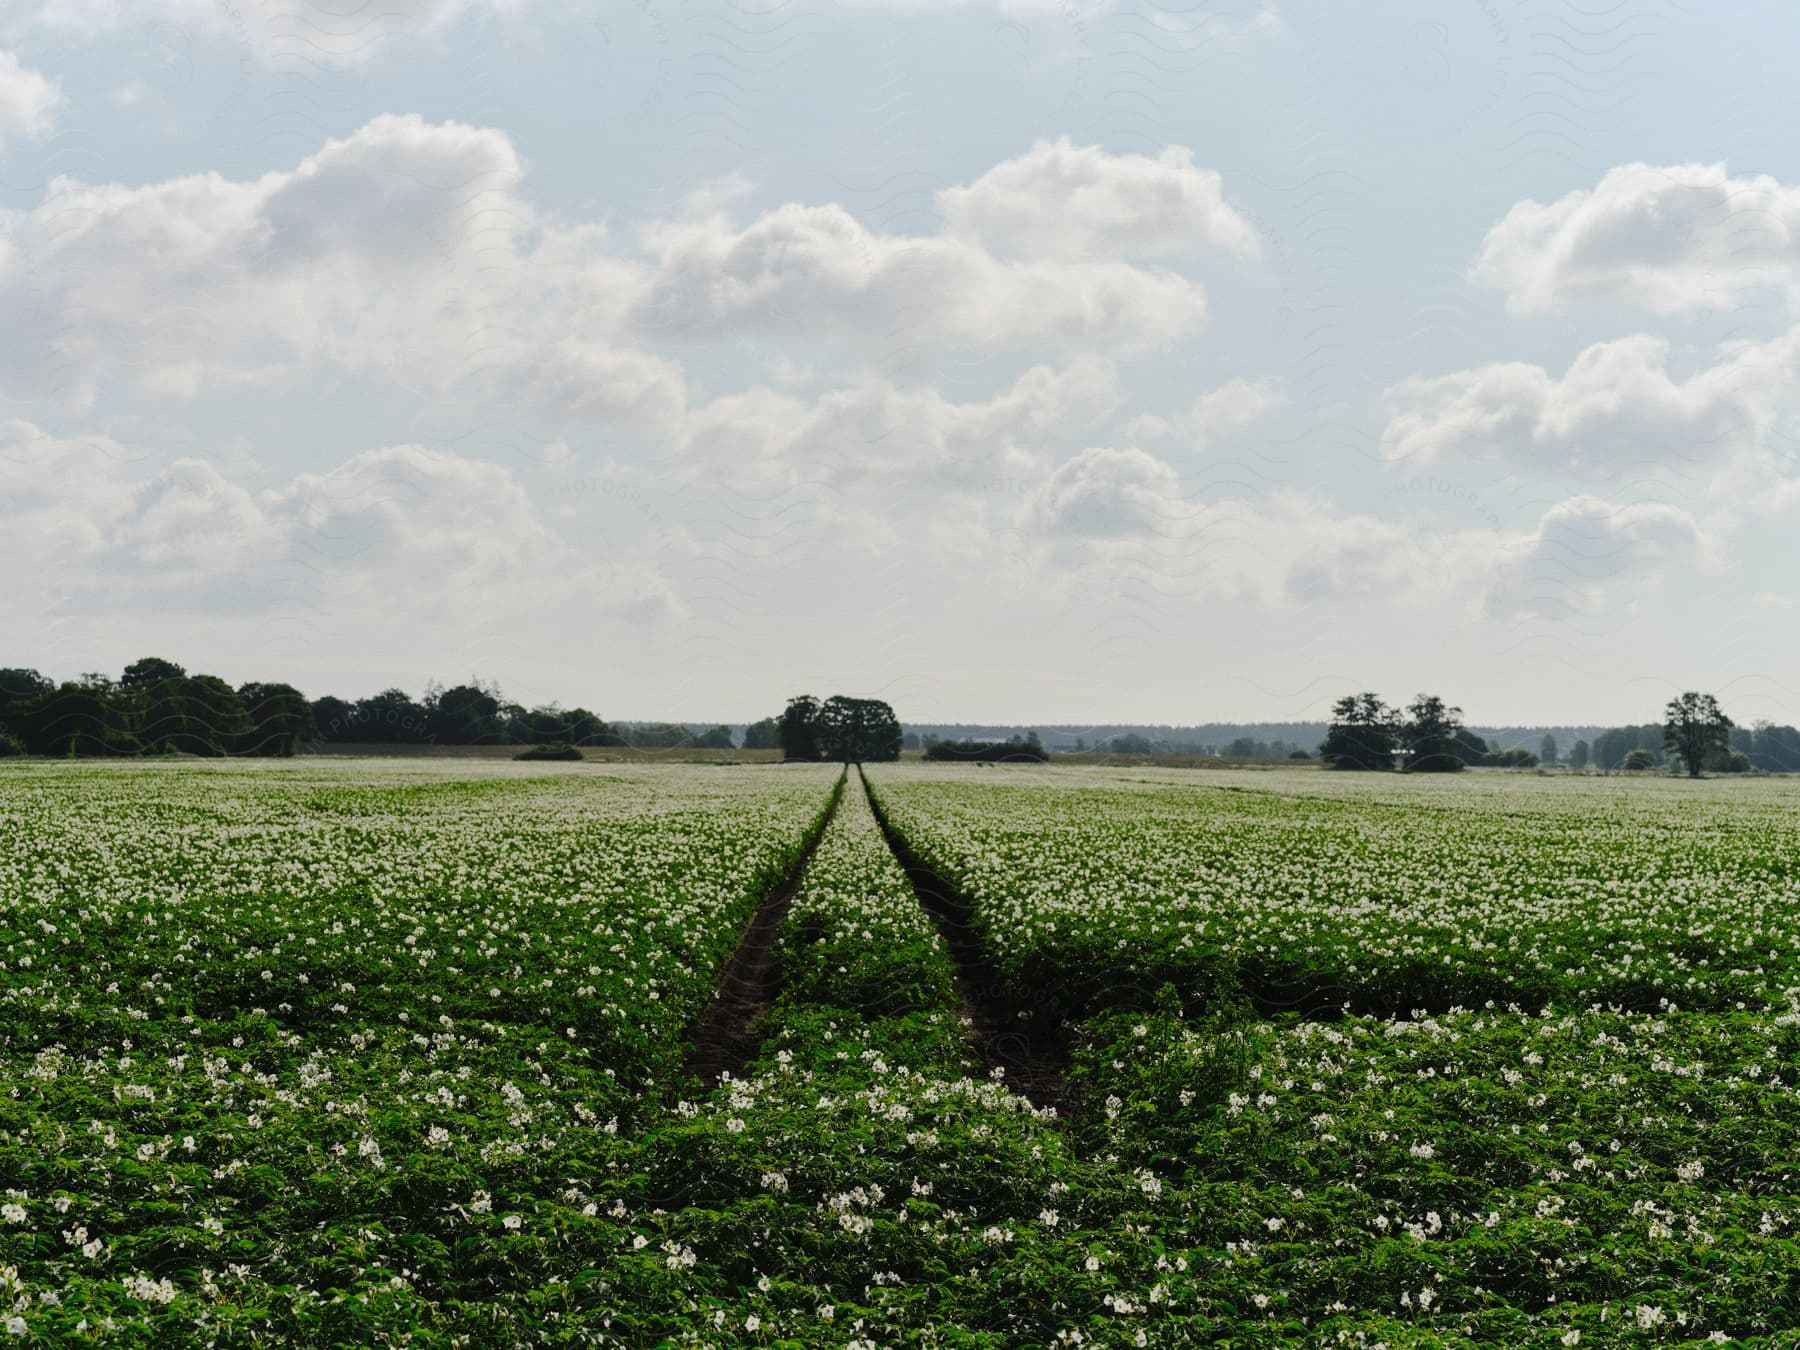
<point>1695,730</point>
<point>1015,749</point>
<point>1364,734</point>
<point>552,750</point>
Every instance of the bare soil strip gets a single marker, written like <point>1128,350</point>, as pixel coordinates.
<point>727,1036</point>
<point>1028,1041</point>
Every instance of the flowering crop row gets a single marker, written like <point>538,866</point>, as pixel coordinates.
<point>311,1049</point>
<point>1101,886</point>
<point>1588,1177</point>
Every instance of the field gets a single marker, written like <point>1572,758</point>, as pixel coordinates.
<point>436,1052</point>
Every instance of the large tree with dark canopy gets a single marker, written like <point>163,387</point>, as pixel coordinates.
<point>855,730</point>
<point>799,728</point>
<point>1430,736</point>
<point>1696,729</point>
<point>1364,734</point>
<point>280,718</point>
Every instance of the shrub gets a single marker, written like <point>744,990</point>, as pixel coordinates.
<point>551,750</point>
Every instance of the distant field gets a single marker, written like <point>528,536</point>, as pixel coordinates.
<point>458,1051</point>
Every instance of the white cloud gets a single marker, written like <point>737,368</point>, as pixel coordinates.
<point>1673,239</point>
<point>29,102</point>
<point>1231,407</point>
<point>815,271</point>
<point>1587,554</point>
<point>1060,200</point>
<point>1617,406</point>
<point>405,527</point>
<point>1123,514</point>
<point>407,253</point>
<point>311,32</point>
<point>874,432</point>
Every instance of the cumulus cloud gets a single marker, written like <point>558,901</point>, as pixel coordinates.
<point>406,526</point>
<point>874,431</point>
<point>28,102</point>
<point>1674,239</point>
<point>329,32</point>
<point>1587,553</point>
<point>408,252</point>
<point>1065,201</point>
<point>1617,406</point>
<point>814,270</point>
<point>1231,407</point>
<point>1123,513</point>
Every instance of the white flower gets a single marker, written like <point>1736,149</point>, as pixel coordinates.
<point>483,1203</point>
<point>1047,1217</point>
<point>752,1322</point>
<point>12,1213</point>
<point>513,1222</point>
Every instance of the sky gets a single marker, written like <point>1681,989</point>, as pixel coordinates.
<point>1057,361</point>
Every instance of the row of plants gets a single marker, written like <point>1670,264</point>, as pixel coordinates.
<point>325,1055</point>
<point>1100,886</point>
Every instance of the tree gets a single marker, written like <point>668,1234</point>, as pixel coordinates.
<point>1773,749</point>
<point>1472,748</point>
<point>390,717</point>
<point>1694,727</point>
<point>1547,750</point>
<point>1639,759</point>
<point>331,718</point>
<point>465,715</point>
<point>149,670</point>
<point>1363,734</point>
<point>76,717</point>
<point>1131,743</point>
<point>1429,735</point>
<point>719,738</point>
<point>280,718</point>
<point>763,735</point>
<point>1578,756</point>
<point>19,686</point>
<point>858,730</point>
<point>799,728</point>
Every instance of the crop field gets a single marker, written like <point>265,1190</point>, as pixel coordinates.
<point>484,1054</point>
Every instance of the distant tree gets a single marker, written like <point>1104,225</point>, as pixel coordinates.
<point>1131,743</point>
<point>1547,750</point>
<point>1694,727</point>
<point>466,714</point>
<point>719,738</point>
<point>1471,748</point>
<point>858,730</point>
<point>910,741</point>
<point>19,686</point>
<point>659,736</point>
<point>1429,735</point>
<point>279,716</point>
<point>1518,757</point>
<point>1578,756</point>
<point>149,670</point>
<point>799,728</point>
<point>1363,735</point>
<point>1639,759</point>
<point>1299,754</point>
<point>1773,749</point>
<point>77,718</point>
<point>391,717</point>
<point>763,735</point>
<point>332,718</point>
<point>1015,749</point>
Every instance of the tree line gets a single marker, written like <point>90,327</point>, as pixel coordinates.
<point>1428,736</point>
<point>156,706</point>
